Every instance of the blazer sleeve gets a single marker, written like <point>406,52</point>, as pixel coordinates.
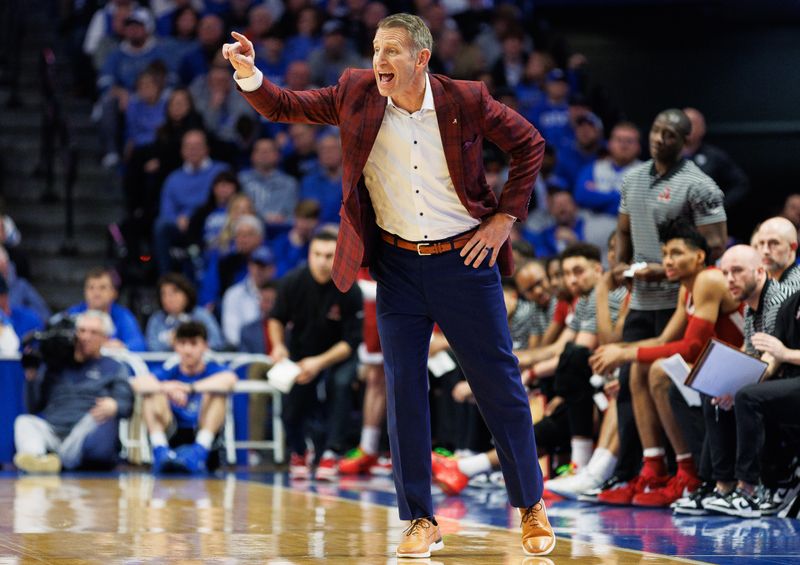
<point>516,136</point>
<point>319,106</point>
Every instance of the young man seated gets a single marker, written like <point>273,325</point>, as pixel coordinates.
<point>706,308</point>
<point>184,406</point>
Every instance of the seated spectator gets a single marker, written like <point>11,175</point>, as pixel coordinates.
<point>177,300</point>
<point>273,192</point>
<point>75,409</point>
<point>184,406</point>
<point>300,45</point>
<point>240,303</point>
<point>776,242</point>
<point>146,109</point>
<point>184,191</point>
<point>225,112</point>
<point>291,248</point>
<point>197,61</point>
<point>208,221</point>
<point>547,180</point>
<point>329,61</point>
<point>272,62</point>
<point>530,88</point>
<point>452,57</point>
<point>581,152</point>
<point>325,183</point>
<point>259,21</point>
<point>323,342</point>
<point>597,189</point>
<point>715,162</point>
<point>226,269</point>
<point>568,226</point>
<point>509,68</point>
<point>300,155</point>
<point>118,76</point>
<point>101,26</point>
<point>791,209</point>
<point>100,294</point>
<point>21,293</point>
<point>148,166</point>
<point>20,319</point>
<point>536,303</point>
<point>551,117</point>
<point>223,244</point>
<point>254,336</point>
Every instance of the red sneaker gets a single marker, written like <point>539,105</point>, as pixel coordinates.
<point>449,477</point>
<point>383,467</point>
<point>623,493</point>
<point>356,462</point>
<point>298,469</point>
<point>326,470</point>
<point>438,459</point>
<point>682,484</point>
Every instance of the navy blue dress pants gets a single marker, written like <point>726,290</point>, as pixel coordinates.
<point>414,292</point>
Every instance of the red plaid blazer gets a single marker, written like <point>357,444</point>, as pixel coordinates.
<point>466,114</point>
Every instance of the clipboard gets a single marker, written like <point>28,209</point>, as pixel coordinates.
<point>723,370</point>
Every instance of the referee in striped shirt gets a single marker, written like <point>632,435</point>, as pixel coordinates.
<point>663,188</point>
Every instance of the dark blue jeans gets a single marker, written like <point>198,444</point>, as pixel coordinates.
<point>414,292</point>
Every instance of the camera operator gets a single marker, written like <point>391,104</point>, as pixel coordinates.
<point>74,403</point>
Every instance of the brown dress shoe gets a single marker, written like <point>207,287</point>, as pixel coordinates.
<point>420,538</point>
<point>537,533</point>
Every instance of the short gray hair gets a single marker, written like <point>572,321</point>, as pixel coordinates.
<point>417,30</point>
<point>105,320</point>
<point>249,220</point>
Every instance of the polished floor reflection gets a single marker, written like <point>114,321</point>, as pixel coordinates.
<point>135,518</point>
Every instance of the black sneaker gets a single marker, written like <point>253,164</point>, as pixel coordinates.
<point>592,494</point>
<point>735,503</point>
<point>693,504</point>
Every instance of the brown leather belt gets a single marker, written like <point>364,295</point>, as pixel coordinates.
<point>432,248</point>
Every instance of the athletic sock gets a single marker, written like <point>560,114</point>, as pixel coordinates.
<point>654,464</point>
<point>370,439</point>
<point>686,465</point>
<point>205,438</point>
<point>581,450</point>
<point>602,463</point>
<point>475,465</point>
<point>159,439</point>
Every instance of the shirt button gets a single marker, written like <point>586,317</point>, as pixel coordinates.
<point>415,166</point>
<point>417,191</point>
<point>426,237</point>
<point>420,213</point>
<point>415,142</point>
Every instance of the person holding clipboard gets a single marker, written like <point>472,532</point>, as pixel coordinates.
<point>737,438</point>
<point>705,308</point>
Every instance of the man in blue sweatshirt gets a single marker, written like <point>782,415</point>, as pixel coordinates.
<point>75,408</point>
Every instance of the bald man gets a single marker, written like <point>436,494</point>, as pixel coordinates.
<point>715,162</point>
<point>776,242</point>
<point>747,280</point>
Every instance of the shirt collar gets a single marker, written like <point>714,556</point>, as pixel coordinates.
<point>427,100</point>
<point>187,168</point>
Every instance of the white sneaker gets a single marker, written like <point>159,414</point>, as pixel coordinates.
<point>573,485</point>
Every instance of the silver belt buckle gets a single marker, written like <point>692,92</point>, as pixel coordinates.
<point>419,249</point>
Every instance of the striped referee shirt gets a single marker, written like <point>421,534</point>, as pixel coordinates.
<point>585,318</point>
<point>651,200</point>
<point>772,297</point>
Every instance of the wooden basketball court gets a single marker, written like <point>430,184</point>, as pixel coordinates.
<point>136,518</point>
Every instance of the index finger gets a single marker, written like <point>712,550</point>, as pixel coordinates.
<point>241,39</point>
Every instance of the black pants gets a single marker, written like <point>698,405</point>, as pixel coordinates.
<point>571,382</point>
<point>766,414</point>
<point>721,437</point>
<point>639,324</point>
<point>328,421</point>
<point>693,427</point>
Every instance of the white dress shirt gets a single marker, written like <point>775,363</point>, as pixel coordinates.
<point>407,175</point>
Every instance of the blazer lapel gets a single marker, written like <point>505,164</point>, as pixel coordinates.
<point>447,115</point>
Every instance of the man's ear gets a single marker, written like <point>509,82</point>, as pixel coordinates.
<point>423,57</point>
<point>793,246</point>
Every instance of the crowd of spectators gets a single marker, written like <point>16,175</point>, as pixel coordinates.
<point>229,207</point>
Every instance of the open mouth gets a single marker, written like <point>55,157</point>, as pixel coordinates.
<point>385,78</point>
